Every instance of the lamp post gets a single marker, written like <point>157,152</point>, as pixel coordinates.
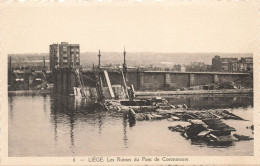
<point>124,65</point>
<point>99,55</point>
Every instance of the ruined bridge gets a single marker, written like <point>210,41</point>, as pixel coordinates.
<point>146,80</point>
<point>167,80</point>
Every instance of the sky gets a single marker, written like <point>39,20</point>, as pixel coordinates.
<point>140,27</point>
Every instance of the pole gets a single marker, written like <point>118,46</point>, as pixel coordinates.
<point>99,55</point>
<point>43,64</point>
<point>10,63</point>
<point>124,56</point>
<point>124,66</point>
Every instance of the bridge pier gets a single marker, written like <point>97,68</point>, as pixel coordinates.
<point>140,80</point>
<point>64,80</point>
<point>215,80</point>
<point>192,79</point>
<point>167,80</point>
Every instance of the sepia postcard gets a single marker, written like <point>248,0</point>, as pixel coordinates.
<point>117,82</point>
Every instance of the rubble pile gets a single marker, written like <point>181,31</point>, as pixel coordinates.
<point>206,126</point>
<point>185,115</point>
<point>210,131</point>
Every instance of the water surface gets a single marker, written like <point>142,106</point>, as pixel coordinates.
<point>41,125</point>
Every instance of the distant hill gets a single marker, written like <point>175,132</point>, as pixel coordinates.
<point>146,58</point>
<point>134,58</point>
<point>17,58</point>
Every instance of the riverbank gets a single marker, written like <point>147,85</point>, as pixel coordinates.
<point>194,92</point>
<point>153,93</point>
<point>29,92</point>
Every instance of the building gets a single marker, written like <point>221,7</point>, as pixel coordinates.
<point>245,64</point>
<point>64,55</point>
<point>181,68</point>
<point>224,64</point>
<point>54,51</point>
<point>216,63</point>
<point>197,67</point>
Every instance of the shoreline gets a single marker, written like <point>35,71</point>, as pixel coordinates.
<point>194,92</point>
<point>28,92</point>
<point>154,93</point>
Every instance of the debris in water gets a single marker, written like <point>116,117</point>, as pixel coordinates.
<point>177,128</point>
<point>242,137</point>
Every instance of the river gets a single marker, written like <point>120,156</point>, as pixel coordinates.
<point>41,125</point>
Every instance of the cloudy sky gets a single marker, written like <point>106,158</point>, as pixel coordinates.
<point>141,27</point>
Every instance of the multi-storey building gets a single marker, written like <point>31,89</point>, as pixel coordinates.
<point>245,64</point>
<point>224,64</point>
<point>232,64</point>
<point>54,56</point>
<point>64,55</point>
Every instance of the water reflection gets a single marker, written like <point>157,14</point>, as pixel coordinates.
<point>44,103</point>
<point>10,104</point>
<point>68,126</point>
<point>125,131</point>
<point>71,112</point>
<point>100,124</point>
<point>65,111</point>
